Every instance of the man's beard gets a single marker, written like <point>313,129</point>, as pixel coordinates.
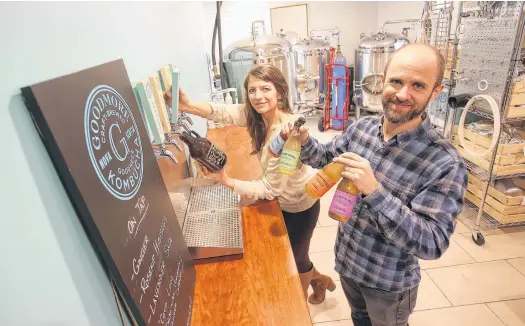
<point>397,116</point>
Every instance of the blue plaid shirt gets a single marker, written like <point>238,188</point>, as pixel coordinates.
<point>413,212</point>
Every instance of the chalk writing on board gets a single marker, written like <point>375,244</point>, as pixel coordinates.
<point>138,262</point>
<point>157,242</point>
<point>113,142</point>
<point>167,247</point>
<point>141,207</point>
<point>173,290</point>
<point>190,306</point>
<point>146,280</point>
<point>156,295</point>
<point>180,267</point>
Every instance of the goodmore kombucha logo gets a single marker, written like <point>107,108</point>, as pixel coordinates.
<point>113,142</point>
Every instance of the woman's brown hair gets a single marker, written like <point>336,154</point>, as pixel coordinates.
<point>256,126</point>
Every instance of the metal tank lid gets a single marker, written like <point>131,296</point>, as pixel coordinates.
<point>311,45</point>
<point>263,44</point>
<point>379,40</point>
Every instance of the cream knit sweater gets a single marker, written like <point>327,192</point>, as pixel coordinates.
<point>289,190</point>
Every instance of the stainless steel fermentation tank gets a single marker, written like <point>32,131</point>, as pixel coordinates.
<point>370,61</point>
<point>311,57</point>
<point>301,61</point>
<point>260,49</point>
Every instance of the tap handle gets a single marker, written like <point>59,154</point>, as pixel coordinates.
<point>163,152</point>
<point>176,143</point>
<point>176,127</point>
<point>169,154</point>
<point>185,117</point>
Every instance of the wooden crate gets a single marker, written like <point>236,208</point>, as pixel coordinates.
<point>517,98</point>
<point>510,158</point>
<point>485,142</point>
<point>515,112</point>
<point>504,209</point>
<point>501,159</point>
<point>448,66</point>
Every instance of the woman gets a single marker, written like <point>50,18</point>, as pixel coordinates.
<point>266,108</point>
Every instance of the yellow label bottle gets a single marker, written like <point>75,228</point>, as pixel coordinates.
<point>344,201</point>
<point>291,152</point>
<point>324,180</point>
<point>276,146</point>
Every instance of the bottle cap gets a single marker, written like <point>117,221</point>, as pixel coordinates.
<point>299,122</point>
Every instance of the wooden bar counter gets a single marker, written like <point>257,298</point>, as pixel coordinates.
<point>262,288</point>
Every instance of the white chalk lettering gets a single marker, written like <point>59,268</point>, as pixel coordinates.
<point>153,306</point>
<point>131,224</point>
<point>142,206</point>
<point>163,315</point>
<point>144,283</point>
<point>157,242</point>
<point>167,247</point>
<point>138,263</point>
<point>179,276</point>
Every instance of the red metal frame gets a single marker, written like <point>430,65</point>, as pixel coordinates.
<point>327,111</point>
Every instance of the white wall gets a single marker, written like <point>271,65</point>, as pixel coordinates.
<point>352,18</point>
<point>398,10</point>
<point>50,274</point>
<point>236,22</point>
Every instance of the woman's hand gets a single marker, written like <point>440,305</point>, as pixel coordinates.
<point>167,97</point>
<point>220,176</point>
<point>184,101</point>
<point>288,127</point>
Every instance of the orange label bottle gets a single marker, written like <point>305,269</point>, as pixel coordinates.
<point>324,180</point>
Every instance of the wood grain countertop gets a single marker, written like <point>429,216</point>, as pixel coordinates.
<point>262,288</point>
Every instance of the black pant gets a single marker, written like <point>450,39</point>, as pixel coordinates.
<point>300,228</point>
<point>373,307</point>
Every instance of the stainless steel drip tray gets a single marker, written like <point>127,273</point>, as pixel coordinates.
<point>213,222</point>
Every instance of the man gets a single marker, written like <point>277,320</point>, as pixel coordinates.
<point>411,182</point>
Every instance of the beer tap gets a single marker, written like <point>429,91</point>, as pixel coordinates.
<point>175,129</point>
<point>173,141</point>
<point>164,151</point>
<point>186,118</point>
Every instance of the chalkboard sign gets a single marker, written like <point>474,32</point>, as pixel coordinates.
<point>95,136</point>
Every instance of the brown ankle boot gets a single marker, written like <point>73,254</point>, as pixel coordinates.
<point>306,278</point>
<point>320,283</point>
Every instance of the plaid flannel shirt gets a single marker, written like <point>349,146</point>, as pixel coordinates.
<point>413,212</point>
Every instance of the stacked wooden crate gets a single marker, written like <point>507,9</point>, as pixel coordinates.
<point>503,208</point>
<point>517,94</point>
<point>517,100</point>
<point>510,159</point>
<point>448,66</point>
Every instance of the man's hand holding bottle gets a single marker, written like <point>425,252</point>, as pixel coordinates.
<point>287,128</point>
